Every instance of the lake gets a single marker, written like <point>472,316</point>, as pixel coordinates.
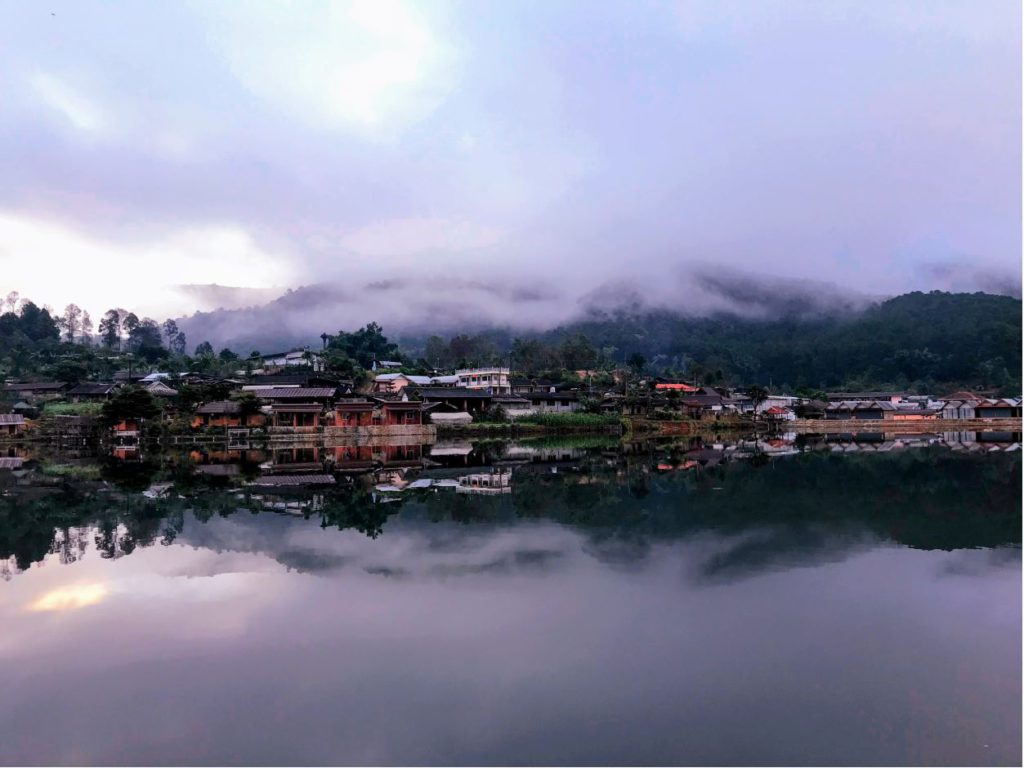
<point>576,601</point>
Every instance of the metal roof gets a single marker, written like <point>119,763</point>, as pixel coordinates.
<point>294,393</point>
<point>7,419</point>
<point>219,406</point>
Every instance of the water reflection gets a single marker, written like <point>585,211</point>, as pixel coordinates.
<point>578,601</point>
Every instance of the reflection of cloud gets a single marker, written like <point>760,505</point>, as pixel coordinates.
<point>778,548</point>
<point>70,597</point>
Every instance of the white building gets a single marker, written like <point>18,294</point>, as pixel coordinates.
<point>495,379</point>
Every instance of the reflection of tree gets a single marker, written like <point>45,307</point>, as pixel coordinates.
<point>785,511</point>
<point>356,508</point>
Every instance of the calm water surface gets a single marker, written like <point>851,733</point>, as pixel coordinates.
<point>575,603</point>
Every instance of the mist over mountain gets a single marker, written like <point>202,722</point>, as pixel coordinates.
<point>415,306</point>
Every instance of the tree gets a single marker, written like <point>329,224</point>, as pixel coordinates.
<point>11,302</point>
<point>637,362</point>
<point>174,336</point>
<point>110,329</point>
<point>86,328</point>
<point>130,403</point>
<point>578,353</point>
<point>226,355</point>
<point>71,322</point>
<point>144,339</point>
<point>129,322</point>
<point>204,349</point>
<point>757,396</point>
<point>365,345</point>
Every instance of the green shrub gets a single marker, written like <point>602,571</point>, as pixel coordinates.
<point>577,419</point>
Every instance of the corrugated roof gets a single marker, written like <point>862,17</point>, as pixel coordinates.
<point>456,393</point>
<point>93,389</point>
<point>6,419</point>
<point>37,386</point>
<point>294,393</point>
<point>219,406</point>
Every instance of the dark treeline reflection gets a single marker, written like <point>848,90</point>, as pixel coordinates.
<point>772,511</point>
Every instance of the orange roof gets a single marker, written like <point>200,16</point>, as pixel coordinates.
<point>681,387</point>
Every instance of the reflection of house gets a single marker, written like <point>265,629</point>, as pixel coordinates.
<point>225,413</point>
<point>11,424</point>
<point>359,458</point>
<point>92,392</point>
<point>496,482</point>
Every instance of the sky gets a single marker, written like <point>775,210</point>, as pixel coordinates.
<point>521,158</point>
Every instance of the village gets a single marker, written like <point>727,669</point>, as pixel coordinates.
<point>290,398</point>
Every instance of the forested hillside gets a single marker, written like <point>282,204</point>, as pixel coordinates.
<point>971,339</point>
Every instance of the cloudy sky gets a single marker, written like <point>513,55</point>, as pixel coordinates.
<point>150,150</point>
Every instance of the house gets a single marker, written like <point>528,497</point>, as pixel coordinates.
<point>523,386</point>
<point>460,398</point>
<point>779,413</point>
<point>127,429</point>
<point>92,392</point>
<point>1006,408</point>
<point>670,386</point>
<point>449,414</point>
<point>225,413</point>
<point>892,397</point>
<point>300,357</point>
<point>385,364</point>
<point>860,410</point>
<point>494,378</point>
<point>11,424</point>
<point>296,417</point>
<point>396,382</point>
<point>553,402</point>
<point>378,416</point>
<point>444,381</point>
<point>34,390</point>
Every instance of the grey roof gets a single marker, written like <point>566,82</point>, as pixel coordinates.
<point>862,405</point>
<point>453,393</point>
<point>538,396</point>
<point>219,406</point>
<point>36,386</point>
<point>294,393</point>
<point>93,389</point>
<point>11,418</point>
